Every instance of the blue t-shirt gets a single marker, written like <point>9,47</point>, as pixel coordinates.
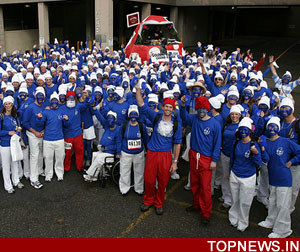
<point>229,138</point>
<point>9,124</point>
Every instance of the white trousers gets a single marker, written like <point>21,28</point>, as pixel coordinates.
<point>263,183</point>
<point>54,150</point>
<point>295,186</point>
<point>36,156</point>
<point>9,168</point>
<point>98,160</point>
<point>126,161</point>
<point>226,193</point>
<point>242,191</point>
<point>279,216</point>
<point>185,155</point>
<point>24,170</point>
<point>99,130</point>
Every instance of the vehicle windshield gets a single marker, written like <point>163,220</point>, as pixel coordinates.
<point>157,34</point>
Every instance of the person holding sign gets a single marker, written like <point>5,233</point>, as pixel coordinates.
<point>134,139</point>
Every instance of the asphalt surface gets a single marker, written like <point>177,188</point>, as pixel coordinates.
<point>75,208</point>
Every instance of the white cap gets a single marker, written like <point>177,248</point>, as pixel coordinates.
<point>236,109</point>
<point>287,102</point>
<point>93,76</point>
<point>15,78</point>
<point>110,87</point>
<point>215,102</point>
<point>233,74</point>
<point>41,77</point>
<point>221,98</point>
<point>153,98</point>
<point>3,84</point>
<point>47,75</point>
<point>168,94</point>
<point>119,91</point>
<point>88,88</point>
<point>72,75</point>
<point>246,122</point>
<point>251,88</point>
<point>176,89</point>
<point>233,88</point>
<point>233,92</point>
<point>274,119</point>
<point>263,84</point>
<point>40,90</point>
<point>54,96</point>
<point>264,100</point>
<point>29,65</point>
<point>10,87</point>
<point>133,108</point>
<point>23,90</point>
<point>111,113</point>
<point>200,78</point>
<point>8,99</point>
<point>164,86</point>
<point>219,75</point>
<point>98,89</point>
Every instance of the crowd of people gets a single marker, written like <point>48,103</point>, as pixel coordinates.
<point>211,108</point>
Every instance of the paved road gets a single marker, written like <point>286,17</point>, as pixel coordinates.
<point>74,208</point>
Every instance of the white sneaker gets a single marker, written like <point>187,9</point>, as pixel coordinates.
<point>10,191</point>
<point>20,185</point>
<point>89,178</point>
<point>175,176</point>
<point>43,174</point>
<point>265,224</point>
<point>275,64</point>
<point>48,179</point>
<point>187,187</point>
<point>60,179</point>
<point>274,235</point>
<point>37,184</point>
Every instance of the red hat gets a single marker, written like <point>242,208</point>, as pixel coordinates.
<point>69,93</point>
<point>202,102</point>
<point>169,101</point>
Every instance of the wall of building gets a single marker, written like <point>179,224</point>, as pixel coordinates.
<point>21,40</point>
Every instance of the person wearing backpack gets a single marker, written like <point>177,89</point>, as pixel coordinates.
<point>167,131</point>
<point>290,128</point>
<point>134,140</point>
<point>244,160</point>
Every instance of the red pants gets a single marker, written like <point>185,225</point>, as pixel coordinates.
<point>77,144</point>
<point>158,164</point>
<point>201,182</point>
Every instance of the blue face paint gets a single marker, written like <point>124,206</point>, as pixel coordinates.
<point>156,89</point>
<point>263,107</point>
<point>117,97</point>
<point>247,95</point>
<point>111,121</point>
<point>171,85</point>
<point>242,76</point>
<point>54,104</point>
<point>253,83</point>
<point>94,82</point>
<point>9,93</point>
<point>133,116</point>
<point>202,112</point>
<point>272,129</point>
<point>22,96</point>
<point>125,84</point>
<point>285,111</point>
<point>62,98</point>
<point>176,95</point>
<point>110,93</point>
<point>78,93</point>
<point>232,81</point>
<point>196,92</point>
<point>152,105</point>
<point>244,131</point>
<point>233,98</point>
<point>98,95</point>
<point>286,79</point>
<point>40,98</point>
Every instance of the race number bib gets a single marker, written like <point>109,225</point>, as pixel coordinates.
<point>134,144</point>
<point>68,146</point>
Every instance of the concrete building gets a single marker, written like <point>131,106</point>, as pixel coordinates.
<point>24,23</point>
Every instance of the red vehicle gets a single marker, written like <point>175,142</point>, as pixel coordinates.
<point>156,38</point>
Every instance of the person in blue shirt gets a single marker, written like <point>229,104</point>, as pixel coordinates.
<point>134,140</point>
<point>109,145</point>
<point>244,159</point>
<point>9,127</point>
<point>53,142</point>
<point>159,163</point>
<point>35,133</point>
<point>228,139</point>
<point>280,154</point>
<point>204,153</point>
<point>289,128</point>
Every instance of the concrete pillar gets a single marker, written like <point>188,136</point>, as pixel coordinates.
<point>146,10</point>
<point>180,26</point>
<point>2,38</point>
<point>89,20</point>
<point>174,16</point>
<point>104,23</point>
<point>44,35</point>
